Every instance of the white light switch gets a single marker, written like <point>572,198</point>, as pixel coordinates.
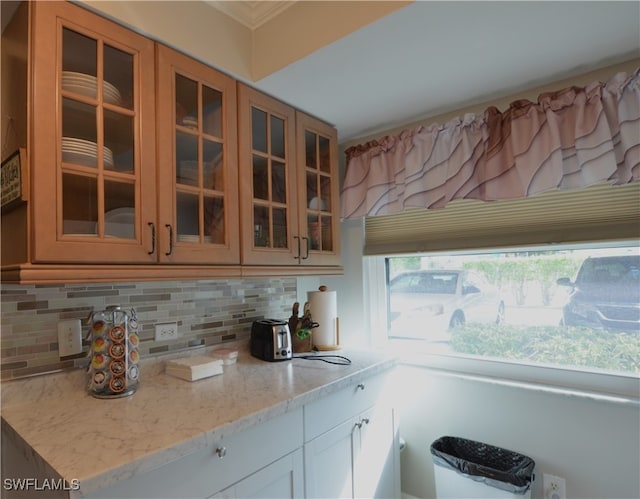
<point>69,337</point>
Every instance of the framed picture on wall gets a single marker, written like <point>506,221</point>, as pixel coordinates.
<point>14,180</point>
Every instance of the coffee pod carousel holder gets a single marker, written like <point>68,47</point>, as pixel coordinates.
<point>113,366</point>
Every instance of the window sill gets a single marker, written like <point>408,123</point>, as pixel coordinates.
<point>564,381</point>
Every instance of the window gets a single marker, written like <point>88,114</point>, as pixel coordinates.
<point>575,307</point>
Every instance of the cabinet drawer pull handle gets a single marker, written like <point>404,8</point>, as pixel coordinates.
<point>153,238</point>
<point>360,386</point>
<point>170,239</point>
<point>221,452</point>
<point>307,244</point>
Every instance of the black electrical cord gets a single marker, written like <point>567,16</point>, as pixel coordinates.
<point>338,360</point>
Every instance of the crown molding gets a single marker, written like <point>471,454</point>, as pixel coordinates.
<point>251,13</point>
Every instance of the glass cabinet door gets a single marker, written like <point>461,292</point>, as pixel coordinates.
<point>92,160</point>
<point>197,131</point>
<point>318,193</point>
<point>318,189</point>
<point>97,143</point>
<point>267,180</point>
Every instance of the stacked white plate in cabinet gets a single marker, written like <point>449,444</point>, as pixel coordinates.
<point>87,85</point>
<point>84,152</point>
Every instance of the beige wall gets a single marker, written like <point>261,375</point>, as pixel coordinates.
<point>214,38</point>
<point>191,27</point>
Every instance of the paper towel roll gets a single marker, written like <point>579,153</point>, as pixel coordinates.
<point>324,311</point>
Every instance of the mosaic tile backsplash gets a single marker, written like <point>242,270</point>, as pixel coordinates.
<point>207,312</point>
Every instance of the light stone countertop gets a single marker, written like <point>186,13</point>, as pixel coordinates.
<point>68,433</point>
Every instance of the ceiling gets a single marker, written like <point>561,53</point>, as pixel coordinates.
<point>429,58</point>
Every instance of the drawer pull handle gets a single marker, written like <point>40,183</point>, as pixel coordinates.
<point>360,386</point>
<point>363,421</point>
<point>221,452</point>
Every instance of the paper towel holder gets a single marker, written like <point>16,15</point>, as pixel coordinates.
<point>327,346</point>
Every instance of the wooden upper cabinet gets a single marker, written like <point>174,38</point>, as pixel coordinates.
<point>197,162</point>
<point>144,163</point>
<point>288,184</point>
<point>92,146</point>
<point>268,188</point>
<point>318,191</point>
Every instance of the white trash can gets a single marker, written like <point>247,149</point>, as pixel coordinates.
<point>466,468</point>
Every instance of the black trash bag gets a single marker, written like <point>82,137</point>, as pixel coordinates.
<point>499,468</point>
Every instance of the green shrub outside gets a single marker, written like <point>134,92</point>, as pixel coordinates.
<point>560,345</point>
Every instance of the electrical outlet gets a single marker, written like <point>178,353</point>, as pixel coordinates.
<point>167,331</point>
<point>554,487</point>
<point>69,337</point>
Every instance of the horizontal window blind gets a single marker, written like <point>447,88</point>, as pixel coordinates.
<point>599,212</point>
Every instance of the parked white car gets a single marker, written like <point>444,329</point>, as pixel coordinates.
<point>427,303</point>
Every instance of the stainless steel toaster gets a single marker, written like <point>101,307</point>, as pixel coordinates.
<point>271,340</point>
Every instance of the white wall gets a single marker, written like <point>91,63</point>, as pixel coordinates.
<point>594,445</point>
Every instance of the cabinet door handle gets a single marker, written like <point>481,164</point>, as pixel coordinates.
<point>170,239</point>
<point>358,425</point>
<point>221,452</point>
<point>365,421</point>
<point>153,238</point>
<point>307,244</point>
<point>297,238</point>
<point>360,386</point>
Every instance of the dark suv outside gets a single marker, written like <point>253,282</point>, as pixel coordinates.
<point>606,294</point>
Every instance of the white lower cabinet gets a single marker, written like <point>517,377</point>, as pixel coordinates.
<point>343,445</point>
<point>282,479</point>
<point>358,457</point>
<point>254,454</point>
<point>329,463</point>
<point>376,454</point>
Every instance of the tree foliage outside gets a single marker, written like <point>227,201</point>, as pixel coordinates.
<point>515,273</point>
<point>512,275</point>
<point>559,345</point>
<point>397,265</point>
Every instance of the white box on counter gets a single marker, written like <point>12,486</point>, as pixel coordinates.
<point>194,368</point>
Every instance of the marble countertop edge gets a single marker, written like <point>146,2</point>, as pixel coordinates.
<point>313,381</point>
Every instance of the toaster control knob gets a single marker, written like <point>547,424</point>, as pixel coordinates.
<point>283,353</point>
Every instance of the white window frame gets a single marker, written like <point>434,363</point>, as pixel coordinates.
<point>620,388</point>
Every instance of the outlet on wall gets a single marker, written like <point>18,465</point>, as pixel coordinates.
<point>69,337</point>
<point>554,487</point>
<point>167,331</point>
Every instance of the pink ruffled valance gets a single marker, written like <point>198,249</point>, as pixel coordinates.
<point>569,139</point>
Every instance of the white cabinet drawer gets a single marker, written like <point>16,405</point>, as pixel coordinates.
<point>327,412</point>
<point>219,465</point>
